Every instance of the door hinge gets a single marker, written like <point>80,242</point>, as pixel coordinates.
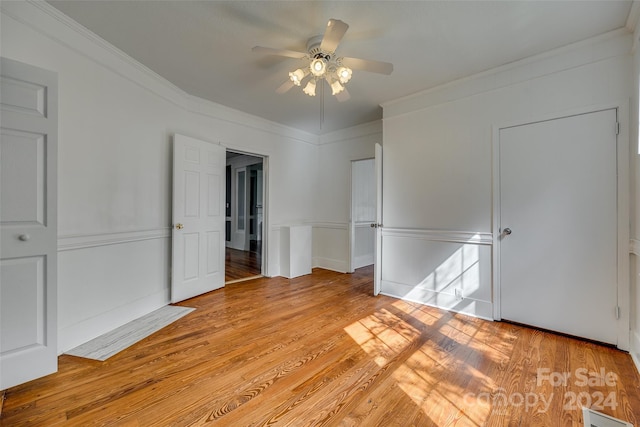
<point>617,128</point>
<point>617,312</point>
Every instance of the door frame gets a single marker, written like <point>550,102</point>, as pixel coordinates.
<point>264,266</point>
<point>623,195</point>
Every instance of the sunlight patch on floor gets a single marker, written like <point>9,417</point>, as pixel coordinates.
<point>423,376</point>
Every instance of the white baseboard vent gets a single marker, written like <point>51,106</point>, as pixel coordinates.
<point>596,419</point>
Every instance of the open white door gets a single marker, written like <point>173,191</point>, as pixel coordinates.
<point>198,217</point>
<point>28,214</point>
<point>377,275</point>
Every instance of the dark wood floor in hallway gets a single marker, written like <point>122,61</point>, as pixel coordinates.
<point>241,265</point>
<point>321,350</point>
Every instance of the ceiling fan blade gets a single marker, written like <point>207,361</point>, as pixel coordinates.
<point>285,87</point>
<point>343,96</point>
<point>367,65</point>
<point>333,35</point>
<point>279,52</point>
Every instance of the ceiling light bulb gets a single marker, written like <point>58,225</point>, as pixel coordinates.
<point>297,76</point>
<point>318,66</point>
<point>344,74</point>
<point>336,87</point>
<point>310,88</point>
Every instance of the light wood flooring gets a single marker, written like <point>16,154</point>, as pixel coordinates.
<point>320,350</point>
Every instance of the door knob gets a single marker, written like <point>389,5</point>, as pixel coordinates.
<point>24,237</point>
<point>179,226</point>
<point>506,231</point>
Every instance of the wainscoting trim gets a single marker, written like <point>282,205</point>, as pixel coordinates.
<point>472,237</point>
<point>83,241</point>
<point>331,225</point>
<point>330,264</point>
<point>445,300</point>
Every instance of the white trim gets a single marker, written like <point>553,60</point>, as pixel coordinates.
<point>469,237</point>
<point>446,300</point>
<point>595,49</point>
<point>352,133</point>
<point>624,289</point>
<point>635,349</point>
<point>330,264</point>
<point>331,225</point>
<point>634,247</point>
<point>37,15</point>
<point>624,232</point>
<point>364,260</point>
<point>633,17</point>
<point>83,241</point>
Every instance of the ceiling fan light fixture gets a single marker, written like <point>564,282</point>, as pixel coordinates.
<point>344,74</point>
<point>336,87</point>
<point>318,66</point>
<point>297,76</point>
<point>310,88</point>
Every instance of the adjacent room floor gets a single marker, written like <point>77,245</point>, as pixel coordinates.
<point>321,350</point>
<point>241,265</point>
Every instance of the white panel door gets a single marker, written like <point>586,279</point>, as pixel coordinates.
<point>558,223</point>
<point>377,275</point>
<point>28,223</point>
<point>198,217</point>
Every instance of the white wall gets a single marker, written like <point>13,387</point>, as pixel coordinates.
<point>116,124</point>
<point>332,191</point>
<point>437,185</point>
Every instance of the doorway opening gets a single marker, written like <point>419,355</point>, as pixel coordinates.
<point>362,235</point>
<point>244,212</point>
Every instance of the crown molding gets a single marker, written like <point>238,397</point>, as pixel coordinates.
<point>634,16</point>
<point>352,133</point>
<point>594,49</point>
<point>52,23</point>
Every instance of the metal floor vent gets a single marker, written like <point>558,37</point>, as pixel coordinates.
<point>596,419</point>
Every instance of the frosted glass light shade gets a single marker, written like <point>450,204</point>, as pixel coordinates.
<point>310,88</point>
<point>297,76</point>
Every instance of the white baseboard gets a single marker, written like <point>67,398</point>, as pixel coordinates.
<point>442,300</point>
<point>635,349</point>
<point>331,264</point>
<point>364,260</point>
<point>79,333</point>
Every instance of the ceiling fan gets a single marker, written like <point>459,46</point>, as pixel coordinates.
<point>324,64</point>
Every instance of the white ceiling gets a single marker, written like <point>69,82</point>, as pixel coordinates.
<point>204,47</point>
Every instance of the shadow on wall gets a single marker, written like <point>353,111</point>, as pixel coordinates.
<point>457,276</point>
<point>452,276</point>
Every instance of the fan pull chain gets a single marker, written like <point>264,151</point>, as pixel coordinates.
<point>321,103</point>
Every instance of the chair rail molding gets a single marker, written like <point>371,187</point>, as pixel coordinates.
<point>470,237</point>
<point>82,241</point>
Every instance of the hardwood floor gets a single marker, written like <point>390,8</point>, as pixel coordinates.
<point>320,350</point>
<point>241,264</point>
